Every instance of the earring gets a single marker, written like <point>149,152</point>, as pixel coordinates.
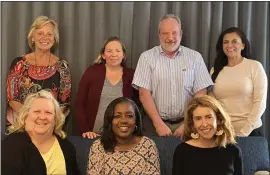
<point>136,127</point>
<point>195,136</point>
<point>219,132</point>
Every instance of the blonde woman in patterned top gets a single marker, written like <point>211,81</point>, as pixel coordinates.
<point>38,70</point>
<point>122,149</point>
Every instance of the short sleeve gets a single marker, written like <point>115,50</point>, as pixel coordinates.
<point>12,85</point>
<point>202,77</point>
<point>142,75</point>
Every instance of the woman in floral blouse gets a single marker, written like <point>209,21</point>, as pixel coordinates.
<point>39,69</point>
<point>122,149</point>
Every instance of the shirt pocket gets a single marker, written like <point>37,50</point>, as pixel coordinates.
<point>188,77</point>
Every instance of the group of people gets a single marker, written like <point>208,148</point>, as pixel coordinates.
<point>172,85</point>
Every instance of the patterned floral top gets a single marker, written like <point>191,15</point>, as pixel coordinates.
<point>141,159</point>
<point>25,78</point>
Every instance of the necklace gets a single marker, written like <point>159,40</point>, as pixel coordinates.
<point>37,72</point>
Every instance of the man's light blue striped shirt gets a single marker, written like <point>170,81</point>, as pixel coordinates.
<point>172,81</point>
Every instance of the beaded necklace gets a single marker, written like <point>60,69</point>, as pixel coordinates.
<point>38,71</point>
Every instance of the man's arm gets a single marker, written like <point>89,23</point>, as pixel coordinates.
<point>148,103</point>
<point>180,130</point>
<point>202,78</point>
<point>201,92</point>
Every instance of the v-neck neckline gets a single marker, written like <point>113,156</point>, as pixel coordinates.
<point>115,83</point>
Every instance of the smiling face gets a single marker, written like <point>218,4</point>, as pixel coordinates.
<point>170,35</point>
<point>113,53</point>
<point>123,123</point>
<point>205,122</point>
<point>43,37</point>
<point>232,45</point>
<point>41,118</point>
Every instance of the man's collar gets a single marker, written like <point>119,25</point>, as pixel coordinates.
<point>177,53</point>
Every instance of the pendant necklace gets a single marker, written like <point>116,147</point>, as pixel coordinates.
<point>37,81</point>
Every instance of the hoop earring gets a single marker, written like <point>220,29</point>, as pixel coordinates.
<point>136,127</point>
<point>194,135</point>
<point>219,132</point>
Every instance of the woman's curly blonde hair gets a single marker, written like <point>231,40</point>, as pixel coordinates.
<point>223,120</point>
<point>19,124</point>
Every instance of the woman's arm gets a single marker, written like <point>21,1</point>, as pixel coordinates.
<point>13,87</point>
<point>81,102</point>
<point>16,106</point>
<point>259,80</point>
<point>65,87</point>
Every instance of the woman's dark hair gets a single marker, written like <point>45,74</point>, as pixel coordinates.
<point>221,59</point>
<point>100,60</point>
<point>108,139</point>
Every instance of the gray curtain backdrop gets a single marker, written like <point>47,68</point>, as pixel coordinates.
<point>84,26</point>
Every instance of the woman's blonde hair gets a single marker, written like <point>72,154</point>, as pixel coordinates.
<point>100,60</point>
<point>39,22</point>
<point>19,124</point>
<point>223,120</point>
